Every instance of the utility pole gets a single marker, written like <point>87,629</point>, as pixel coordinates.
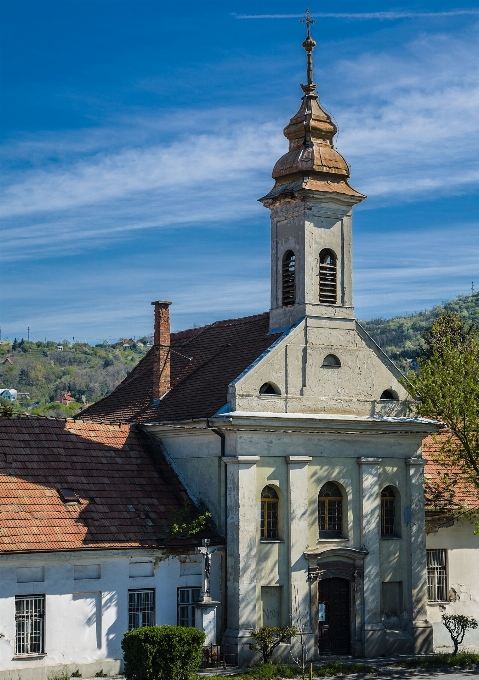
<point>472,293</point>
<point>28,334</point>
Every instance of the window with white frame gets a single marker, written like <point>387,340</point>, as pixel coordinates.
<point>29,624</point>
<point>141,608</point>
<point>186,605</point>
<point>436,575</point>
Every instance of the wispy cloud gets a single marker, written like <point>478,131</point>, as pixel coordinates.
<point>365,15</point>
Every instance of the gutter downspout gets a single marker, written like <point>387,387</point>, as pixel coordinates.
<point>222,436</point>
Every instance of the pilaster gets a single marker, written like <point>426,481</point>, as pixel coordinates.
<point>421,628</point>
<point>242,520</point>
<point>370,537</point>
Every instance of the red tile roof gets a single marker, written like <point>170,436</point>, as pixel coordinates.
<point>109,467</point>
<point>462,494</point>
<point>204,361</point>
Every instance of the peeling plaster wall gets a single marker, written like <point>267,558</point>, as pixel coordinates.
<point>85,618</point>
<point>295,368</point>
<point>463,579</point>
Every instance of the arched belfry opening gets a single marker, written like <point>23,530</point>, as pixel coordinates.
<point>327,277</point>
<point>288,282</point>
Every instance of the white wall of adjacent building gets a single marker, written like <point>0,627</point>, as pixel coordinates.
<point>86,605</point>
<point>460,595</point>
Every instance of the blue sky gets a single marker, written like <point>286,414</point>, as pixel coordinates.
<point>137,136</point>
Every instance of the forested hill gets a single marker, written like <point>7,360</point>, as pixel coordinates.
<point>41,372</point>
<point>400,337</point>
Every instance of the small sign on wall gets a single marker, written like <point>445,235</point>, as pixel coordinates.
<point>322,612</point>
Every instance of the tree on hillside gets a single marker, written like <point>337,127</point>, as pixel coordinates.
<point>446,388</point>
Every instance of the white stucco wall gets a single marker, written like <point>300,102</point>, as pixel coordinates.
<point>463,579</point>
<point>85,618</point>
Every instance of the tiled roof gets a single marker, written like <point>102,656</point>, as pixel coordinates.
<point>109,467</point>
<point>461,494</point>
<point>204,361</point>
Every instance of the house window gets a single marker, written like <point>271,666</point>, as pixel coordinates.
<point>330,511</point>
<point>388,511</point>
<point>29,624</point>
<point>288,273</point>
<point>327,277</point>
<point>436,575</point>
<point>269,513</point>
<point>186,605</point>
<point>141,608</point>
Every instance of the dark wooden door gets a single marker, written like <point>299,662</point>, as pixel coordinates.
<point>334,631</point>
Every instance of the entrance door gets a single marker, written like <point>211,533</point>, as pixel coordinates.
<point>334,629</point>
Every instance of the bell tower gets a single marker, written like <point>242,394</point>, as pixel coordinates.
<point>311,216</point>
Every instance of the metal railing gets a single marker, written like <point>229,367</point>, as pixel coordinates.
<point>219,656</point>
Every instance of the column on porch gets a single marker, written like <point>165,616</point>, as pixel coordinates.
<point>370,537</point>
<point>242,524</point>
<point>298,543</point>
<point>422,629</point>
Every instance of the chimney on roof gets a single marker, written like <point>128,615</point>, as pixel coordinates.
<point>161,348</point>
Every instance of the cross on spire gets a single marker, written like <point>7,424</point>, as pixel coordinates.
<point>309,44</point>
<point>307,20</point>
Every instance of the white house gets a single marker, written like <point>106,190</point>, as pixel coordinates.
<point>291,426</point>
<point>10,394</point>
<point>85,553</point>
<point>452,548</point>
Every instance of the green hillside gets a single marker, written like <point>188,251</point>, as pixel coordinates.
<point>88,373</point>
<point>400,337</point>
<point>44,372</point>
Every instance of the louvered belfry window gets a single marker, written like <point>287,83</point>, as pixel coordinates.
<point>288,282</point>
<point>327,277</point>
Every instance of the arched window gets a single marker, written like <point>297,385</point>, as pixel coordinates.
<point>388,511</point>
<point>327,277</point>
<point>331,361</point>
<point>389,395</point>
<point>269,513</point>
<point>330,511</point>
<point>288,282</point>
<point>267,388</point>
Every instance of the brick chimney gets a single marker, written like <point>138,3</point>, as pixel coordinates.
<point>161,342</point>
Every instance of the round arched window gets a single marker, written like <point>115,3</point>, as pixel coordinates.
<point>330,511</point>
<point>267,388</point>
<point>288,288</point>
<point>269,513</point>
<point>327,277</point>
<point>331,361</point>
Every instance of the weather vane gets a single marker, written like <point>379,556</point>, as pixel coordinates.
<point>308,20</point>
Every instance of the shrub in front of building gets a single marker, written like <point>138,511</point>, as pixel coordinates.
<point>162,652</point>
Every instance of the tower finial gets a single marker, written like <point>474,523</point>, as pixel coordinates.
<point>309,44</point>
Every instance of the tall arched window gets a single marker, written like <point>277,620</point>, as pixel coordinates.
<point>288,280</point>
<point>269,513</point>
<point>330,511</point>
<point>388,511</point>
<point>327,277</point>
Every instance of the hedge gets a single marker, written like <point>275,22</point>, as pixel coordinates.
<point>162,652</point>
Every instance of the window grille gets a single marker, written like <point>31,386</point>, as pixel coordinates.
<point>388,511</point>
<point>269,513</point>
<point>327,278</point>
<point>141,608</point>
<point>29,624</point>
<point>436,575</point>
<point>330,511</point>
<point>289,283</point>
<point>186,605</point>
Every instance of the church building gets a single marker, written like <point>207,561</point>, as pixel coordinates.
<point>291,427</point>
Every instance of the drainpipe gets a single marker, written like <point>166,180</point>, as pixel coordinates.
<point>222,436</point>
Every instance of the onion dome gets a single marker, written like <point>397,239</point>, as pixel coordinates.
<point>312,162</point>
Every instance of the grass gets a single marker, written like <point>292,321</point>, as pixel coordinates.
<point>278,671</point>
<point>438,660</point>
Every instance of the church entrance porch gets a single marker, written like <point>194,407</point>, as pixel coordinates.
<point>334,625</point>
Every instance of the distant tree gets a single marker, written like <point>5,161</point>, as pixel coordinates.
<point>446,388</point>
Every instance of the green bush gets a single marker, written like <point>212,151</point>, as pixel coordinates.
<point>162,652</point>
